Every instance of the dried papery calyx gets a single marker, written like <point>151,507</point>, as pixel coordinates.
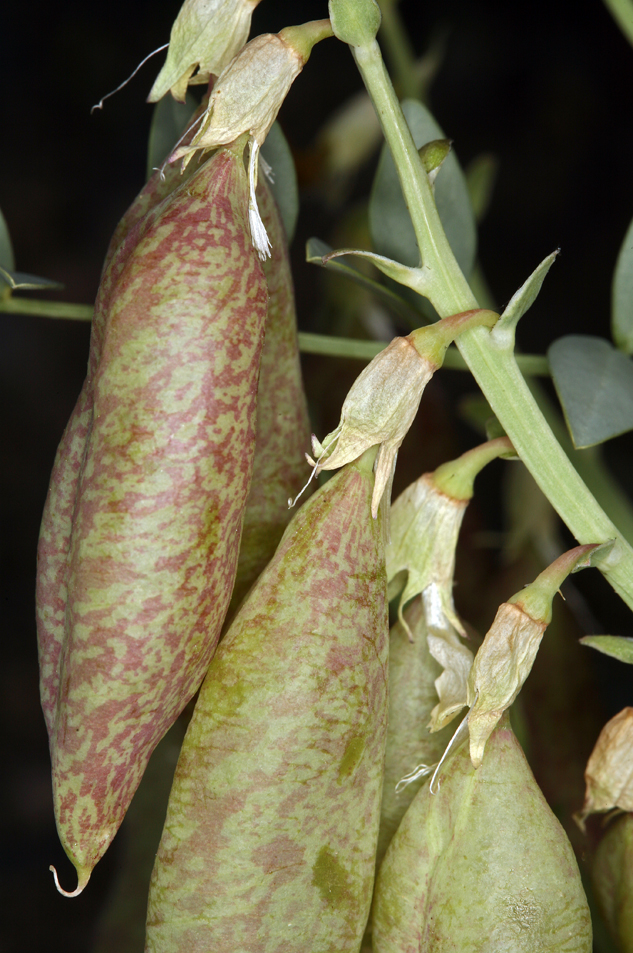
<point>248,96</point>
<point>384,399</point>
<point>425,522</point>
<point>205,37</point>
<point>609,774</point>
<point>482,864</point>
<point>508,651</point>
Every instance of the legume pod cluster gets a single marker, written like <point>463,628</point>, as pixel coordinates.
<point>141,530</point>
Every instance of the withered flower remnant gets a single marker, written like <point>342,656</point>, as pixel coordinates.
<point>508,651</point>
<point>206,35</point>
<point>385,397</point>
<point>425,523</point>
<point>609,774</point>
<point>247,98</point>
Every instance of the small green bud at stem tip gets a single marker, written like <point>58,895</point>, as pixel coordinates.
<point>433,153</point>
<point>355,21</point>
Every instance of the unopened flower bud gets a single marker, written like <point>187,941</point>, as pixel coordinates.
<point>205,36</point>
<point>609,774</point>
<point>433,155</point>
<point>247,98</point>
<point>508,651</point>
<point>355,21</point>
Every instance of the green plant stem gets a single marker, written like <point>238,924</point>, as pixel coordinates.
<point>47,309</point>
<point>491,361</point>
<point>588,463</point>
<point>308,343</point>
<point>532,364</point>
<point>399,50</point>
<point>622,13</point>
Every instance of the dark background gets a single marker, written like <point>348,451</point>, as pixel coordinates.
<point>545,86</point>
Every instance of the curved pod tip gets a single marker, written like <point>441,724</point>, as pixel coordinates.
<point>83,876</point>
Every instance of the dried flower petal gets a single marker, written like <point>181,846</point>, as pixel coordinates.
<point>446,648</point>
<point>506,657</point>
<point>206,35</point>
<point>501,666</point>
<point>609,774</point>
<point>425,524</point>
<point>384,399</point>
<point>379,409</point>
<point>247,98</point>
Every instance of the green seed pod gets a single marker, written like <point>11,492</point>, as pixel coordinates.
<point>149,563</point>
<point>57,519</point>
<point>283,427</point>
<point>612,877</point>
<point>158,187</point>
<point>270,836</point>
<point>482,864</point>
<point>412,697</point>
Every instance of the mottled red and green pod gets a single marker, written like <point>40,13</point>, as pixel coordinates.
<point>158,187</point>
<point>57,519</point>
<point>158,506</point>
<point>283,426</point>
<point>412,697</point>
<point>481,864</point>
<point>270,837</point>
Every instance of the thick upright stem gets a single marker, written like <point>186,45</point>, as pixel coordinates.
<point>491,362</point>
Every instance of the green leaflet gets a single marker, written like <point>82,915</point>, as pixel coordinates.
<point>616,646</point>
<point>277,154</point>
<point>594,382</point>
<point>622,296</point>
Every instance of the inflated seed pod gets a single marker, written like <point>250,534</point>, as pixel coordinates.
<point>270,836</point>
<point>481,864</point>
<point>612,876</point>
<point>55,532</point>
<point>412,697</point>
<point>157,188</point>
<point>165,470</point>
<point>283,426</point>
